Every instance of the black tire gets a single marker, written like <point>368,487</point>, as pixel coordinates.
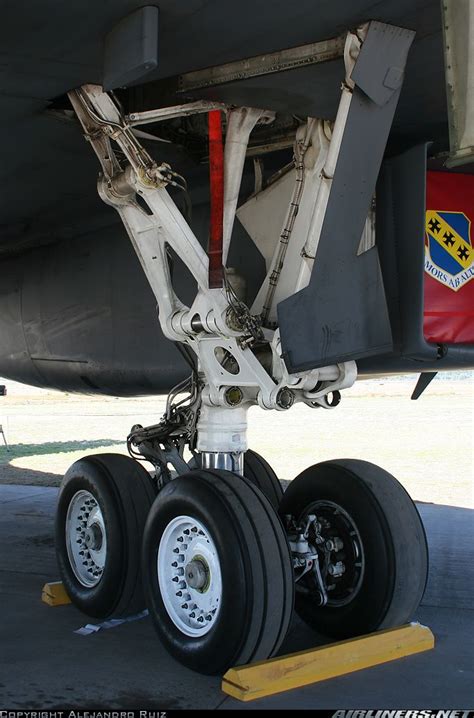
<point>260,473</point>
<point>393,540</point>
<point>124,492</point>
<point>256,602</point>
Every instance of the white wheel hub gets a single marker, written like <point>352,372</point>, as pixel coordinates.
<point>86,540</point>
<point>189,576</point>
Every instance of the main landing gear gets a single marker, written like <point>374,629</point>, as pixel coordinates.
<point>222,559</point>
<point>223,553</point>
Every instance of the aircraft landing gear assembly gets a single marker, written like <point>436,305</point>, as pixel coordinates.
<point>224,554</point>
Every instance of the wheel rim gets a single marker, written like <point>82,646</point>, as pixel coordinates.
<point>336,522</point>
<point>86,538</point>
<point>189,576</point>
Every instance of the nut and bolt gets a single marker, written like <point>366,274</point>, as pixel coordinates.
<point>285,398</point>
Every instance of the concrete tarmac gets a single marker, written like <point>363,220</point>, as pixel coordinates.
<point>44,664</point>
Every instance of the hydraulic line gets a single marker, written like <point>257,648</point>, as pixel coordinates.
<point>300,151</point>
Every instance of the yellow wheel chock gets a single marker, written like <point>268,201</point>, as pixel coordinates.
<point>54,594</point>
<point>265,678</point>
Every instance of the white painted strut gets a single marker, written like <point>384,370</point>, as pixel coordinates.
<point>351,52</point>
<point>240,123</point>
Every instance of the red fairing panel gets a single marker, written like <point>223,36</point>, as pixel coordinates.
<point>449,259</point>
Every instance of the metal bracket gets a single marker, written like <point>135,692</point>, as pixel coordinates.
<point>268,64</point>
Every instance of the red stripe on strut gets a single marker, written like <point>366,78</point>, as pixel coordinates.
<point>216,177</point>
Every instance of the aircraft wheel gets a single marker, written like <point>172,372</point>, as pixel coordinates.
<point>217,571</point>
<point>102,508</point>
<point>374,557</point>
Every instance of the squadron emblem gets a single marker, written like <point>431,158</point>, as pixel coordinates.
<point>449,254</point>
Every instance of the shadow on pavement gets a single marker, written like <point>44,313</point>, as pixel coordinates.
<point>10,474</point>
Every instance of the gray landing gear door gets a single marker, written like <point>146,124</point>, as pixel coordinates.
<point>342,314</point>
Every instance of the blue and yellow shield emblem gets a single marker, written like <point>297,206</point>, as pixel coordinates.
<point>449,250</point>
